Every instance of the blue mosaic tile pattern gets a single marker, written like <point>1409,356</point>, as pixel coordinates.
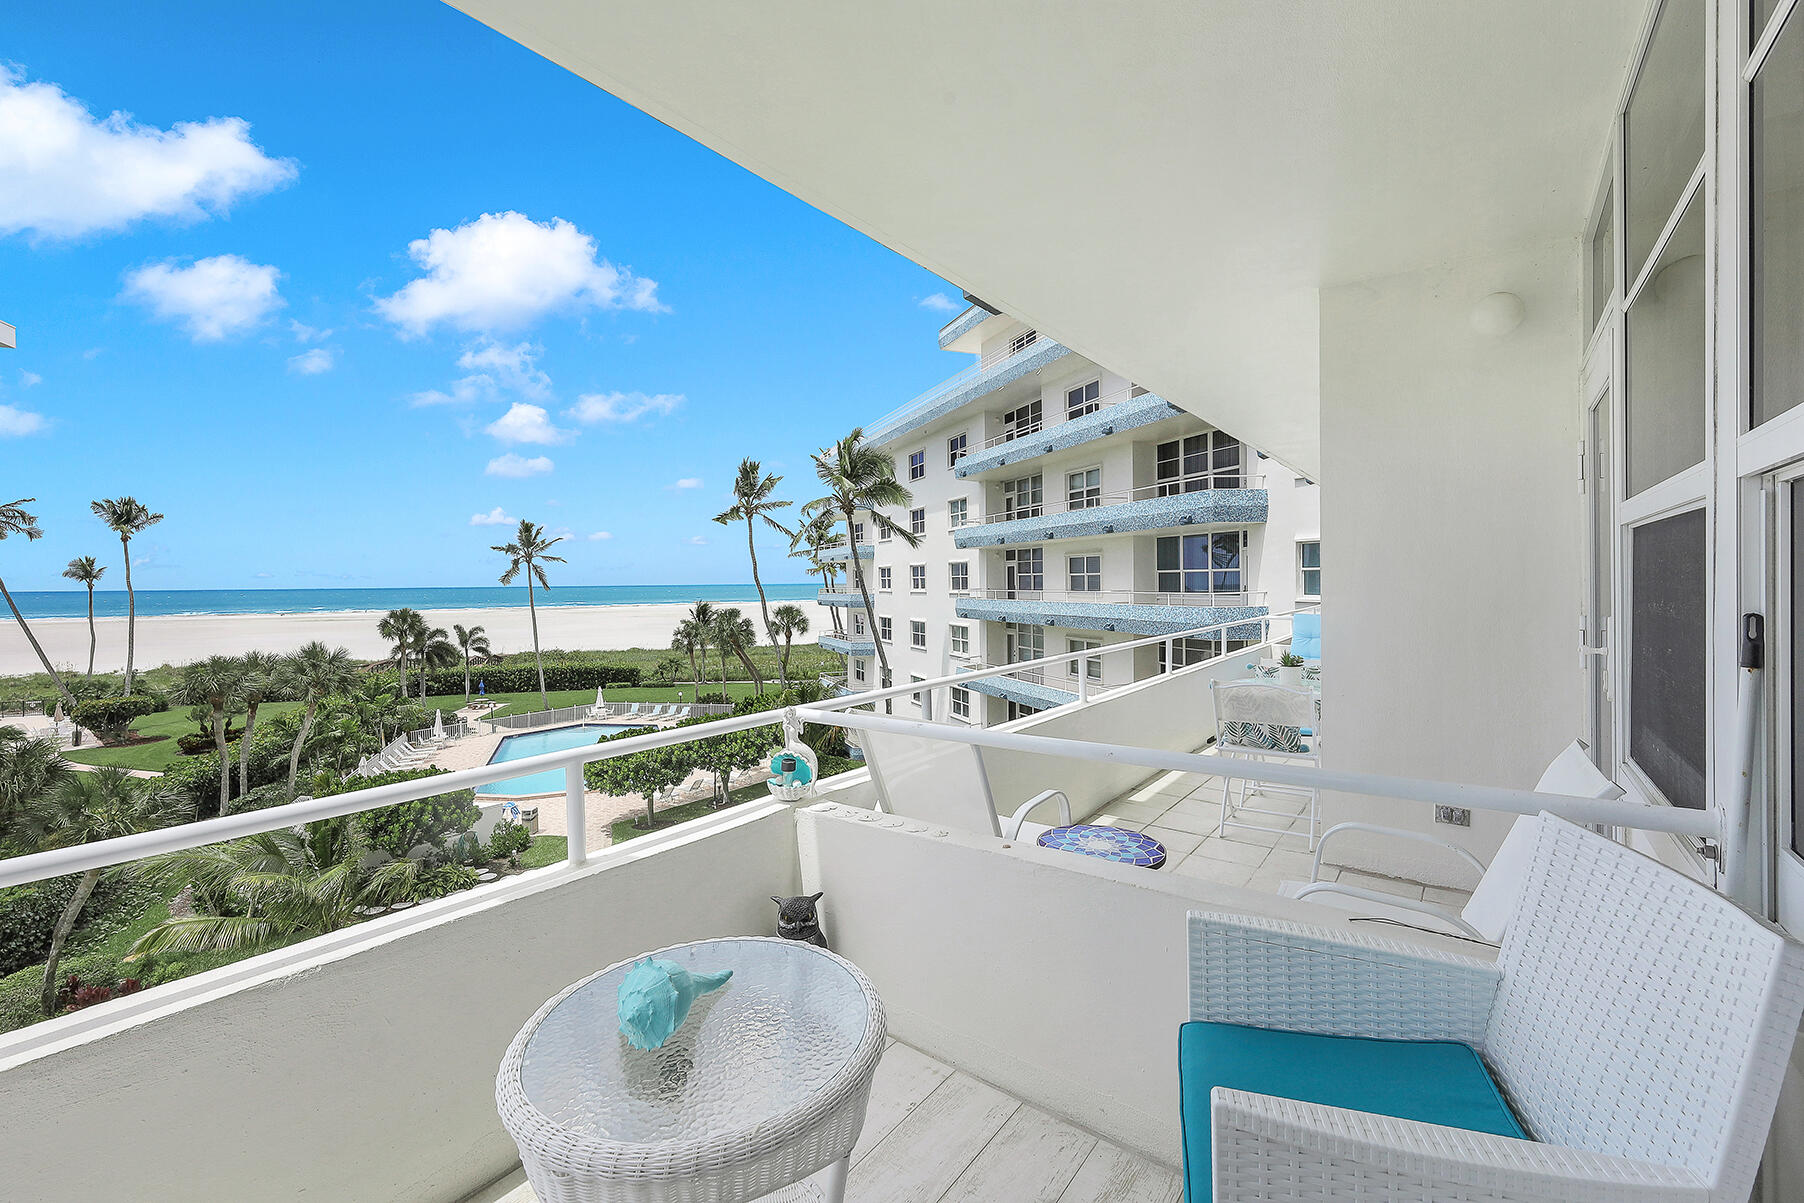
<point>848,645</point>
<point>1123,617</point>
<point>1138,411</point>
<point>1106,843</point>
<point>1205,508</point>
<point>841,599</point>
<point>1043,353</point>
<point>1028,693</point>
<point>865,551</point>
<point>964,323</point>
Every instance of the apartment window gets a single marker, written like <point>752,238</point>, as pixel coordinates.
<point>1083,490</point>
<point>957,448</point>
<point>1024,419</point>
<point>858,670</point>
<point>884,581</point>
<point>1668,658</point>
<point>958,576</point>
<point>1084,399</point>
<point>1018,710</point>
<point>1309,568</point>
<point>917,465</point>
<point>885,682</point>
<point>1200,563</point>
<point>1092,665</point>
<point>958,512</point>
<point>1024,570</point>
<point>1201,461</point>
<point>917,633</point>
<point>1189,651</point>
<point>1023,498</point>
<point>917,522</point>
<point>916,695</point>
<point>888,703</point>
<point>917,578</point>
<point>1023,341</point>
<point>1084,573</point>
<point>958,639</point>
<point>1025,642</point>
<point>885,631</point>
<point>961,702</point>
<point>883,532</point>
<point>1666,382</point>
<point>1663,127</point>
<point>857,624</point>
<point>858,532</point>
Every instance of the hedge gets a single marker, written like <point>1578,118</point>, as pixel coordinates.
<point>112,714</point>
<point>526,680</point>
<point>399,828</point>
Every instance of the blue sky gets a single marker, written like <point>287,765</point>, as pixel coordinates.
<point>303,341</point>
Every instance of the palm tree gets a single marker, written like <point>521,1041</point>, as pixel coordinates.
<point>701,617</point>
<point>402,628</point>
<point>733,632</point>
<point>687,638</point>
<point>528,551</point>
<point>288,884</point>
<point>318,672</point>
<point>125,517</point>
<point>860,476</point>
<point>28,768</point>
<point>472,642</point>
<point>215,683</point>
<point>432,648</point>
<point>15,521</point>
<point>752,488</point>
<point>813,536</point>
<point>788,621</point>
<point>88,571</point>
<point>263,674</point>
<point>83,808</point>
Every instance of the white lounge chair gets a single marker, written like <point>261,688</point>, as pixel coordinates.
<point>1260,720</point>
<point>1638,1023</point>
<point>1486,914</point>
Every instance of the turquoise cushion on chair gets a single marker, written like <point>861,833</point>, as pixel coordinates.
<point>1306,635</point>
<point>1434,1081</point>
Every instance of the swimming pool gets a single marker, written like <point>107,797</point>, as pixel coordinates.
<point>537,743</point>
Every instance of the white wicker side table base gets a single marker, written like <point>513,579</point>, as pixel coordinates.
<point>764,1086</point>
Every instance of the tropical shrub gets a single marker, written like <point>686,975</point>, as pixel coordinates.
<point>441,880</point>
<point>27,914</point>
<point>109,717</point>
<point>399,828</point>
<point>526,680</point>
<point>508,839</point>
<point>713,698</point>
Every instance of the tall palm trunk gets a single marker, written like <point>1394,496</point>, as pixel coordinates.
<point>65,924</point>
<point>244,748</point>
<point>92,639</point>
<point>694,673</point>
<point>131,615</point>
<point>831,576</point>
<point>533,609</point>
<point>870,611</point>
<point>783,665</point>
<point>300,738</point>
<point>33,640</point>
<point>401,663</point>
<point>466,677</point>
<point>225,758</point>
<point>751,669</point>
<point>763,605</point>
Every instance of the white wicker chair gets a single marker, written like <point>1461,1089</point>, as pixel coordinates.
<point>1638,1023</point>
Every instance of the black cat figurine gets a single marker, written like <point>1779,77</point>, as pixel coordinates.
<point>797,920</point>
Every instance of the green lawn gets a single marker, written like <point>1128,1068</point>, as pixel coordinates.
<point>544,850</point>
<point>522,703</point>
<point>160,755</point>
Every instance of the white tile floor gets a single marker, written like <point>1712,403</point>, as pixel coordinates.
<point>1183,812</point>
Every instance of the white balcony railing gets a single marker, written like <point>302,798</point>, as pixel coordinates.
<point>1122,597</point>
<point>1021,431</point>
<point>1228,479</point>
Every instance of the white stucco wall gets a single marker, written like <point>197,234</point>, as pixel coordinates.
<point>1453,523</point>
<point>368,1074</point>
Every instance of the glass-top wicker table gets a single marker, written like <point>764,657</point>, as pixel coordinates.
<point>763,1086</point>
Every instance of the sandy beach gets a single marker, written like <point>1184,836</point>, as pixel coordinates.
<point>177,639</point>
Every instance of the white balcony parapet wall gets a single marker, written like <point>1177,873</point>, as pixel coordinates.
<point>967,386</point>
<point>866,550</point>
<point>848,645</point>
<point>1113,514</point>
<point>1129,412</point>
<point>1130,615</point>
<point>963,324</point>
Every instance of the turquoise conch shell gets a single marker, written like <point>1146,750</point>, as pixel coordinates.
<point>655,997</point>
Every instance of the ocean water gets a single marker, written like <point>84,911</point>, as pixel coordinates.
<point>110,603</point>
<point>537,743</point>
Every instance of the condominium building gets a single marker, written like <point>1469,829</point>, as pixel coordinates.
<point>1058,506</point>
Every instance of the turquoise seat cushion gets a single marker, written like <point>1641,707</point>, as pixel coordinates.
<point>1434,1081</point>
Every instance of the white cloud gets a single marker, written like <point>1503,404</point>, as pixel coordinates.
<point>313,361</point>
<point>504,271</point>
<point>494,370</point>
<point>698,540</point>
<point>65,172</point>
<point>29,379</point>
<point>467,391</point>
<point>939,301</point>
<point>15,423</point>
<point>600,535</point>
<point>213,298</point>
<point>688,482</point>
<point>518,466</point>
<point>93,352</point>
<point>303,333</point>
<point>524,423</point>
<point>621,407</point>
<point>495,517</point>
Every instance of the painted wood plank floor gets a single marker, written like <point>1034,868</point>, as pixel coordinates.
<point>936,1135</point>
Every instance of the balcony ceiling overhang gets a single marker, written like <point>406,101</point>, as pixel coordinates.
<point>1162,186</point>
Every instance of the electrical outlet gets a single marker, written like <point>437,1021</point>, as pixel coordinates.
<point>1456,816</point>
